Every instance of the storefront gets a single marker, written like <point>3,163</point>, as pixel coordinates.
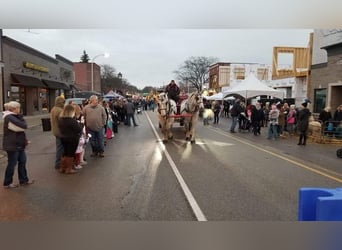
<point>33,78</point>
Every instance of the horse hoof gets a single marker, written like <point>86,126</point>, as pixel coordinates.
<point>192,142</point>
<point>164,141</point>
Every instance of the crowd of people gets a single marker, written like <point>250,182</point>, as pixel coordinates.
<point>279,118</point>
<point>94,121</point>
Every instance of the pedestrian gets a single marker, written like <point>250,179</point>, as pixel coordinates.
<point>291,120</point>
<point>129,108</point>
<point>273,122</point>
<point>303,123</point>
<point>80,151</point>
<point>217,109</point>
<point>54,117</point>
<point>257,118</point>
<point>95,120</point>
<point>226,107</point>
<point>14,143</point>
<point>71,131</point>
<point>234,113</point>
<point>281,120</point>
<point>338,114</point>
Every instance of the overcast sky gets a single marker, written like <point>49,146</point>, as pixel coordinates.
<point>149,39</point>
<point>148,57</point>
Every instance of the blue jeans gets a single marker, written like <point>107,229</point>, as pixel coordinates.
<point>59,152</point>
<point>234,122</point>
<point>129,117</point>
<point>96,140</point>
<point>14,157</point>
<point>273,131</point>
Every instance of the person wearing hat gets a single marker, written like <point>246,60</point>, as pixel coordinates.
<point>172,91</point>
<point>303,123</point>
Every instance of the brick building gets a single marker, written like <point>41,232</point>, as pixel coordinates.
<point>83,76</point>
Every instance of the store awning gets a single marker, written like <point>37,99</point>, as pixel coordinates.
<point>55,85</point>
<point>28,81</point>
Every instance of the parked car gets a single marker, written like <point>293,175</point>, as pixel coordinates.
<point>76,100</point>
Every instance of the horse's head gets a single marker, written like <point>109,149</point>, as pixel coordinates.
<point>196,102</point>
<point>163,97</point>
<point>162,103</point>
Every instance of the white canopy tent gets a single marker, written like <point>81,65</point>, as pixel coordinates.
<point>218,96</point>
<point>252,87</point>
<point>112,94</point>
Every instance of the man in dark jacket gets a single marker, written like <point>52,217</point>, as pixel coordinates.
<point>14,143</point>
<point>234,112</point>
<point>172,91</point>
<point>303,123</point>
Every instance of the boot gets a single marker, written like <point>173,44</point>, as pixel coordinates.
<point>304,141</point>
<point>69,165</point>
<point>300,140</point>
<point>62,166</point>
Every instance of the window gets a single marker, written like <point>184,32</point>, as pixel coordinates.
<point>320,100</point>
<point>239,73</point>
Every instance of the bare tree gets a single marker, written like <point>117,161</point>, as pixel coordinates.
<point>195,71</point>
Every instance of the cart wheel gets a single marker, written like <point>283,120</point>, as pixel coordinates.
<point>339,153</point>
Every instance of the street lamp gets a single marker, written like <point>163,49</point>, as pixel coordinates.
<point>105,55</point>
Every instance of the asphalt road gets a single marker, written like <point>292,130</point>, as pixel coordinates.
<point>230,177</point>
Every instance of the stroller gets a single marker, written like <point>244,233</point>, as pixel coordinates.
<point>139,109</point>
<point>245,123</point>
<point>339,153</point>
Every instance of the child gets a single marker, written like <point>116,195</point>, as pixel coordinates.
<point>79,155</point>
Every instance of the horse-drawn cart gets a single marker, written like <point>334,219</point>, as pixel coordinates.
<point>184,112</point>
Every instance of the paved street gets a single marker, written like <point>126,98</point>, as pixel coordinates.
<point>232,177</point>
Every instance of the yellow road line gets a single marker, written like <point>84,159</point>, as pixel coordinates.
<point>282,157</point>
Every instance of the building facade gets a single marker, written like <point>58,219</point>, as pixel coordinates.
<point>224,75</point>
<point>84,75</point>
<point>33,78</point>
<point>326,69</point>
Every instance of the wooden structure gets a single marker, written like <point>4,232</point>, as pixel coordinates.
<point>300,65</point>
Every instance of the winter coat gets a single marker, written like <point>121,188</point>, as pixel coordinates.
<point>70,128</point>
<point>54,115</point>
<point>303,120</point>
<point>13,141</point>
<point>236,109</point>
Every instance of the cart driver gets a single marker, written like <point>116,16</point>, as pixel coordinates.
<point>172,91</point>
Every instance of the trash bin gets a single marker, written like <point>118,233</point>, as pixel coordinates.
<point>46,124</point>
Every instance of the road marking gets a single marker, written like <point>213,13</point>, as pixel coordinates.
<point>188,195</point>
<point>282,157</point>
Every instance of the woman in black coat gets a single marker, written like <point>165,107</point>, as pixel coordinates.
<point>303,123</point>
<point>14,143</point>
<point>71,131</point>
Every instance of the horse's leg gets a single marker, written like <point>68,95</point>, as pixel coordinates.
<point>193,128</point>
<point>163,129</point>
<point>170,123</point>
<point>187,129</point>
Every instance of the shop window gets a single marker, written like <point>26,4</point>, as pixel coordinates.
<point>320,100</point>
